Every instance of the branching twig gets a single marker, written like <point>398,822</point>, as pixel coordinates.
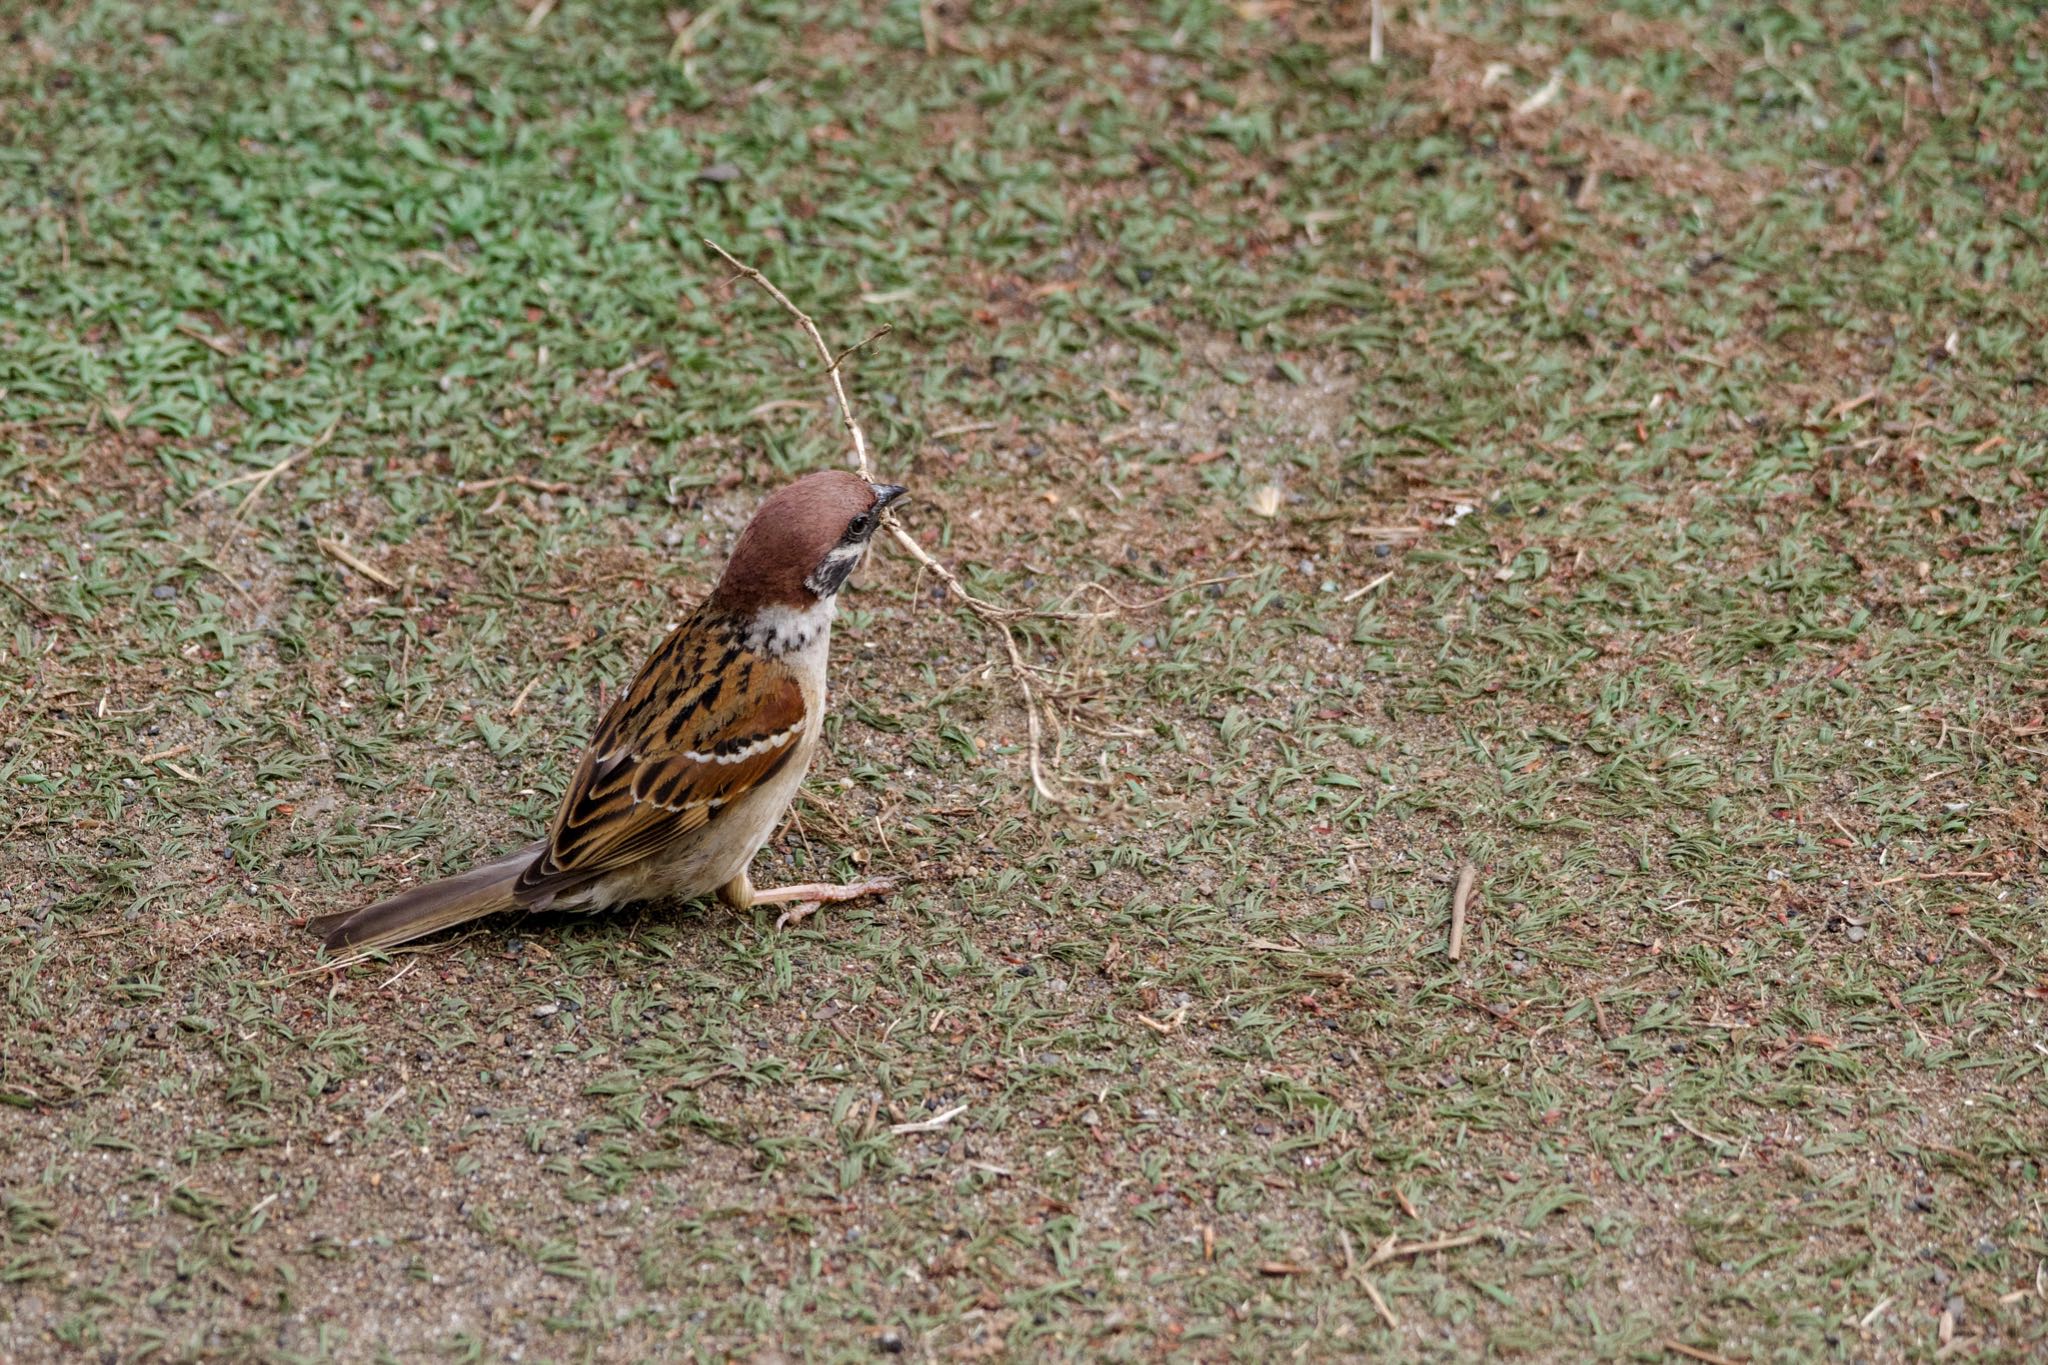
<point>995,615</point>
<point>860,443</point>
<point>879,332</point>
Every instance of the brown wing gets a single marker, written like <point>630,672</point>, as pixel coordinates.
<point>705,723</point>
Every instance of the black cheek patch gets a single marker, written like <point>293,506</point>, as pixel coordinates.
<point>831,575</point>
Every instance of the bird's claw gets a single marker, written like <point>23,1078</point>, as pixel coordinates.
<point>797,914</point>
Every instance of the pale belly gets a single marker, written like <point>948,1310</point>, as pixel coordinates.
<point>708,858</point>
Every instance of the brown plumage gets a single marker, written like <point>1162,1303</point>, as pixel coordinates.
<point>691,769</point>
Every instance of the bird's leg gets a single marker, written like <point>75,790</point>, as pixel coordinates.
<point>740,894</point>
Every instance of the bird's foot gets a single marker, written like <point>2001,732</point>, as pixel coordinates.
<point>809,897</point>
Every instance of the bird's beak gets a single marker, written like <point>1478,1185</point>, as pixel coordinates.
<point>887,494</point>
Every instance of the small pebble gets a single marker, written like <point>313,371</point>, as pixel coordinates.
<point>1377,902</point>
<point>1857,933</point>
<point>163,592</point>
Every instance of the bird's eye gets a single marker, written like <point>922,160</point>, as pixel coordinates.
<point>859,525</point>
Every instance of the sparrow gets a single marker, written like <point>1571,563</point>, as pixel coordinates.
<point>692,768</point>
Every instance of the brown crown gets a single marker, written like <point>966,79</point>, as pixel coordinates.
<point>788,538</point>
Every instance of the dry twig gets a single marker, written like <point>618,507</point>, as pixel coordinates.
<point>218,345</point>
<point>930,1125</point>
<point>263,478</point>
<point>348,558</point>
<point>688,34</point>
<point>994,615</point>
<point>1352,1272</point>
<point>524,693</point>
<point>377,1111</point>
<point>1372,1292</point>
<point>612,376</point>
<point>1679,1348</point>
<point>860,444</point>
<point>514,481</point>
<point>1935,876</point>
<point>26,600</point>
<point>1123,608</point>
<point>1468,876</point>
<point>1542,97</point>
<point>1391,1250</point>
<point>1357,593</point>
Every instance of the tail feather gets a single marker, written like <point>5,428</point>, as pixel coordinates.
<point>424,910</point>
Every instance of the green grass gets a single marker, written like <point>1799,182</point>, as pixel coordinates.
<point>1733,679</point>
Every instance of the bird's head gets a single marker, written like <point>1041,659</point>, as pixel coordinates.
<point>804,542</point>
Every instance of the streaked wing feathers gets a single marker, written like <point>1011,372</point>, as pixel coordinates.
<point>704,724</point>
